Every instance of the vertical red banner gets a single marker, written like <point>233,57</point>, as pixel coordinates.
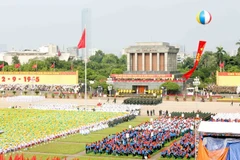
<point>201,46</point>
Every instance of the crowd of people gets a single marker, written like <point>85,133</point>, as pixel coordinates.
<point>21,130</point>
<point>119,108</point>
<point>226,117</point>
<point>222,89</point>
<point>41,88</point>
<point>55,106</point>
<point>185,148</point>
<point>143,139</point>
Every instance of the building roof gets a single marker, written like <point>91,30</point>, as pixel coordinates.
<point>219,127</point>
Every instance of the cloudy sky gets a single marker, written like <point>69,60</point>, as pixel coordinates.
<point>119,23</point>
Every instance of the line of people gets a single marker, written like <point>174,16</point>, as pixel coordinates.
<point>152,112</point>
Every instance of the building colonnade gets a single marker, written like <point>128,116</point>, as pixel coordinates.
<point>147,61</point>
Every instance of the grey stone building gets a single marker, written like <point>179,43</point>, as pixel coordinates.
<point>149,64</point>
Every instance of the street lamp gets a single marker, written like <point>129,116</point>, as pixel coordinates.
<point>110,90</point>
<point>196,83</point>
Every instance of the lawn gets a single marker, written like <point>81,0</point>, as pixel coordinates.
<point>83,138</point>
<point>59,148</point>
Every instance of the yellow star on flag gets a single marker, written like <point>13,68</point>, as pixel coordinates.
<point>201,49</point>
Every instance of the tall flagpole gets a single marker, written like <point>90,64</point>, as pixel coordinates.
<point>85,50</point>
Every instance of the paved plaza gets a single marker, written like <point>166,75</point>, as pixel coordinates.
<point>188,106</point>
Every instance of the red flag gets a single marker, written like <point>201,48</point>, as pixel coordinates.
<point>21,157</point>
<point>2,65</point>
<point>201,46</point>
<point>34,66</point>
<point>53,65</point>
<point>1,157</point>
<point>17,65</point>
<point>34,158</point>
<point>221,65</point>
<point>82,42</point>
<point>16,157</point>
<point>10,158</point>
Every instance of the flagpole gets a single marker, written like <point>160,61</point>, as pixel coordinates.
<point>85,50</point>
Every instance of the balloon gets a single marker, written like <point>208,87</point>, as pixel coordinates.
<point>204,17</point>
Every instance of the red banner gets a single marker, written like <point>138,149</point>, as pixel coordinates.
<point>228,73</point>
<point>201,46</point>
<point>140,76</point>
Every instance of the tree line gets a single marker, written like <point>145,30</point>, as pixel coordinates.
<point>212,61</point>
<point>99,67</point>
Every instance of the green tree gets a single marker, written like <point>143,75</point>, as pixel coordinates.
<point>238,44</point>
<point>171,87</point>
<point>15,60</point>
<point>123,59</point>
<point>219,55</point>
<point>110,59</point>
<point>188,63</point>
<point>97,57</point>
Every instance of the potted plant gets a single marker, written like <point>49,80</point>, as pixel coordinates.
<point>167,97</point>
<point>90,96</point>
<point>210,99</point>
<point>75,95</point>
<point>53,95</point>
<point>60,95</point>
<point>176,98</point>
<point>184,98</point>
<point>82,95</point>
<point>36,92</point>
<point>45,94</point>
<point>193,98</point>
<point>25,92</point>
<point>14,92</point>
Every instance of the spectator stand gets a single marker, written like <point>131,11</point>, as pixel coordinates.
<point>219,140</point>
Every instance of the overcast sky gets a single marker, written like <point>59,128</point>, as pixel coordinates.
<point>117,24</point>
